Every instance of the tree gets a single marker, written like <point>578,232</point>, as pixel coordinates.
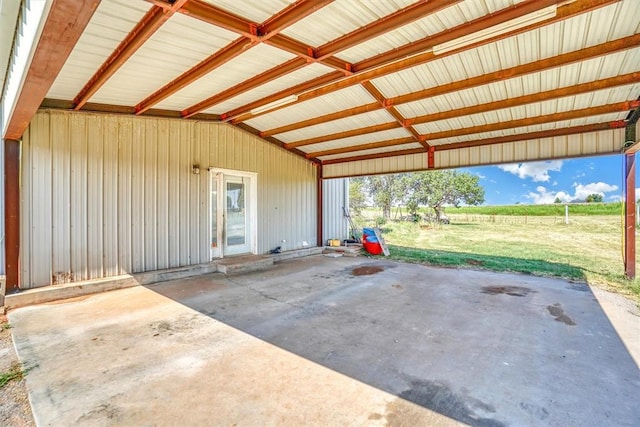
<point>386,191</point>
<point>594,198</point>
<point>357,198</point>
<point>557,200</point>
<point>439,188</point>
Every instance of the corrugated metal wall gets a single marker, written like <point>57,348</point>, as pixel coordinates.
<point>603,142</point>
<point>106,194</point>
<point>335,193</point>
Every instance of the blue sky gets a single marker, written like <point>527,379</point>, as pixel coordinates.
<point>542,182</point>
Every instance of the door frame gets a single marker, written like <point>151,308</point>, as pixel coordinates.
<point>252,209</point>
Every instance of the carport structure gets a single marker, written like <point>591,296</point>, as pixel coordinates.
<point>333,89</point>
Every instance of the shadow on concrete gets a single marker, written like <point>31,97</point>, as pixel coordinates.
<point>485,349</point>
<point>439,258</point>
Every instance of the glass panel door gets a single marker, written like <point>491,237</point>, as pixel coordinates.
<point>232,213</point>
<point>236,215</point>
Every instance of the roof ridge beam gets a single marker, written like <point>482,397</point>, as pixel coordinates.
<point>565,11</point>
<point>155,17</point>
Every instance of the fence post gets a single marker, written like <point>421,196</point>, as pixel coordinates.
<point>566,214</point>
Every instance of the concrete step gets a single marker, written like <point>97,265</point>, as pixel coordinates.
<point>244,264</point>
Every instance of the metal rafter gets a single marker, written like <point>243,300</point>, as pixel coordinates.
<point>402,121</point>
<point>475,109</point>
<point>574,130</point>
<point>585,112</point>
<point>252,34</point>
<point>489,141</point>
<point>369,146</point>
<point>390,22</point>
<point>260,79</point>
<point>148,25</point>
<point>518,71</point>
<point>345,134</point>
<point>421,56</point>
<point>310,54</point>
<point>562,92</point>
<point>537,120</point>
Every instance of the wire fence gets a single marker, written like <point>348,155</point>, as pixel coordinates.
<point>507,219</point>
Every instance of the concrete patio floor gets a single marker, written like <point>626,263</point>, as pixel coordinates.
<point>322,341</point>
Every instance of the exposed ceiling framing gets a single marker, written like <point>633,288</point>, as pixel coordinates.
<point>384,80</point>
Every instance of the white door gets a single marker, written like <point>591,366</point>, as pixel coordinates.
<point>232,213</point>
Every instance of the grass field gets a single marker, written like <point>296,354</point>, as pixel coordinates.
<point>589,248</point>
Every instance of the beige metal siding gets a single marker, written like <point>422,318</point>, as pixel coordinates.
<point>2,208</point>
<point>335,194</point>
<point>108,194</point>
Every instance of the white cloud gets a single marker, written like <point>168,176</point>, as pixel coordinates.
<point>581,191</point>
<point>537,171</point>
<point>480,175</point>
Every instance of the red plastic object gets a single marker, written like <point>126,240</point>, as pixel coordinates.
<point>373,248</point>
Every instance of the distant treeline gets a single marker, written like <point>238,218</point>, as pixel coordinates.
<point>556,209</point>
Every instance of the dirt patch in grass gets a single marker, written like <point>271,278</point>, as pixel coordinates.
<point>15,409</point>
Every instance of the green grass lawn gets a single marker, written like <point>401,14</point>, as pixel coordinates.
<point>588,249</point>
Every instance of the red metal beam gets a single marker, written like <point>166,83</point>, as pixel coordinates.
<point>536,120</point>
<point>148,25</point>
<point>488,141</point>
<point>344,134</point>
<point>376,156</point>
<point>66,21</point>
<point>209,64</point>
<point>630,216</point>
<point>220,18</point>
<point>596,127</point>
<point>393,111</point>
<point>12,214</point>
<point>260,79</point>
<point>402,17</point>
<point>319,205</point>
<point>386,65</point>
<point>361,147</point>
<point>290,15</point>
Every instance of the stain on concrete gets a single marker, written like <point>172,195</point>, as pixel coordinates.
<point>104,411</point>
<point>375,416</point>
<point>439,397</point>
<point>514,291</point>
<point>556,311</point>
<point>367,270</point>
<point>397,286</point>
<point>536,411</point>
<point>580,287</point>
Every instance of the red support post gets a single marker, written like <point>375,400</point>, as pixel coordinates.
<point>12,214</point>
<point>630,216</point>
<point>320,203</point>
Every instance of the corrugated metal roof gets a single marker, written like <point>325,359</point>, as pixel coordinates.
<point>386,79</point>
